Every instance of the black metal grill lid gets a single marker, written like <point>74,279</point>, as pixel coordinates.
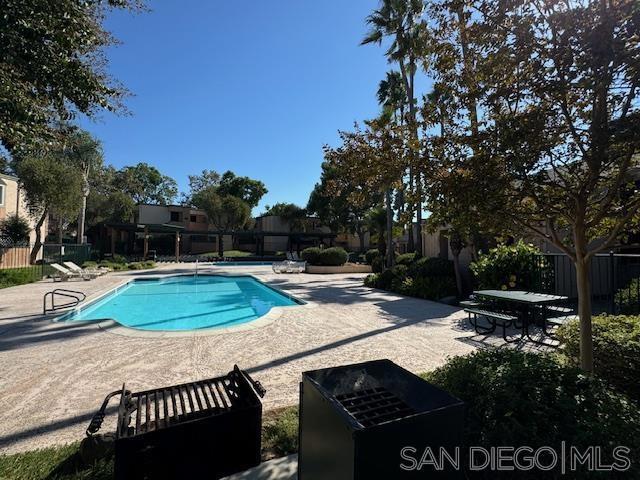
<point>378,391</point>
<point>151,410</point>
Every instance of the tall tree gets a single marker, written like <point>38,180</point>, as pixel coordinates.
<point>208,178</point>
<point>372,158</point>
<point>51,186</point>
<point>85,153</point>
<point>145,184</point>
<point>246,189</point>
<point>52,65</point>
<point>401,20</point>
<point>291,213</point>
<point>560,81</point>
<point>331,201</point>
<point>225,212</point>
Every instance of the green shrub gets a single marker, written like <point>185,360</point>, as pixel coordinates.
<point>431,288</point>
<point>310,255</point>
<point>517,266</point>
<point>371,281</point>
<point>525,399</point>
<point>118,259</point>
<point>628,298</point>
<point>616,350</point>
<point>432,267</point>
<point>12,277</point>
<point>371,255</point>
<point>280,432</point>
<point>377,265</point>
<point>334,256</point>
<point>89,264</point>
<point>405,259</point>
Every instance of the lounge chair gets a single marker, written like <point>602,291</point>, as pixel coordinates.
<point>64,274</point>
<point>97,271</point>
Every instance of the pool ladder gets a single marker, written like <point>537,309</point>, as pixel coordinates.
<point>75,296</point>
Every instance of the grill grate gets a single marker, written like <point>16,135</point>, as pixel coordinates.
<point>157,409</point>
<point>374,406</point>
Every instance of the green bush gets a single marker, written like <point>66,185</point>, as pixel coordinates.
<point>333,257</point>
<point>431,288</point>
<point>371,281</point>
<point>310,255</point>
<point>628,298</point>
<point>280,432</point>
<point>428,278</point>
<point>371,255</point>
<point>517,266</point>
<point>616,350</point>
<point>12,277</point>
<point>405,259</point>
<point>525,399</point>
<point>89,264</point>
<point>432,267</point>
<point>377,265</point>
<point>119,259</point>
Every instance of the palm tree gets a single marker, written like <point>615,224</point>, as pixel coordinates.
<point>393,97</point>
<point>401,20</point>
<point>392,94</point>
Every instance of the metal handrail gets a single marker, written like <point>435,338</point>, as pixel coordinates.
<point>73,294</point>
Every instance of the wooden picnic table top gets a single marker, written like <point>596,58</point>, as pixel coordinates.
<point>521,296</point>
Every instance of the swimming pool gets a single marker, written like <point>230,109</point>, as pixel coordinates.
<point>182,303</point>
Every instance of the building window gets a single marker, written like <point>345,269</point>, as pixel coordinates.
<point>1,195</point>
<point>175,216</point>
<point>193,218</point>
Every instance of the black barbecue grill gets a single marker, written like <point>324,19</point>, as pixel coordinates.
<point>356,419</point>
<point>210,428</point>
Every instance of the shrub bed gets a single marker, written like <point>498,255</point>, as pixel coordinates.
<point>628,298</point>
<point>616,350</point>
<point>310,255</point>
<point>329,257</point>
<point>12,277</point>
<point>509,267</point>
<point>428,278</point>
<point>526,399</point>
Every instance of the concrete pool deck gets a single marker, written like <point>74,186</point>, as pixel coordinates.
<point>54,376</point>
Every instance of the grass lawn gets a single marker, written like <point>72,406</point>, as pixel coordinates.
<point>279,438</point>
<point>227,253</point>
<point>11,277</point>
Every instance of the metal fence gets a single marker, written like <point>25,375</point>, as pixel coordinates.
<point>615,280</point>
<point>15,261</point>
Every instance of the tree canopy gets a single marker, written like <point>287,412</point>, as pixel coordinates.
<point>246,189</point>
<point>52,65</point>
<point>144,183</point>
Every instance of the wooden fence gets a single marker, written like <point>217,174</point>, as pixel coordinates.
<point>14,257</point>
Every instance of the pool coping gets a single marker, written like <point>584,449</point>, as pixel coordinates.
<point>110,325</point>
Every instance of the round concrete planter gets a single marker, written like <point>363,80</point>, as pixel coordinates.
<point>346,268</point>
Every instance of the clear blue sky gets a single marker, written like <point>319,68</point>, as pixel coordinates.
<point>256,87</point>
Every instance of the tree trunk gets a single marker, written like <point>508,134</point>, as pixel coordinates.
<point>390,256</point>
<point>59,230</point>
<point>220,246</point>
<point>37,244</point>
<point>83,208</point>
<point>584,312</point>
<point>361,235</point>
<point>419,216</point>
<point>456,267</point>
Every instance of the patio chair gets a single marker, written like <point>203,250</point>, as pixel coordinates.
<point>89,271</point>
<point>64,274</point>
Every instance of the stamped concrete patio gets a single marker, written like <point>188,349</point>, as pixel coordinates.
<point>53,376</point>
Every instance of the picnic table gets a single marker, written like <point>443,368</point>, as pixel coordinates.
<point>528,304</point>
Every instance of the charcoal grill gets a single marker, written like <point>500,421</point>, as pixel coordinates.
<point>355,419</point>
<point>209,428</point>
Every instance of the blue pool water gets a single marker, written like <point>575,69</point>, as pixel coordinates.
<point>185,303</point>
